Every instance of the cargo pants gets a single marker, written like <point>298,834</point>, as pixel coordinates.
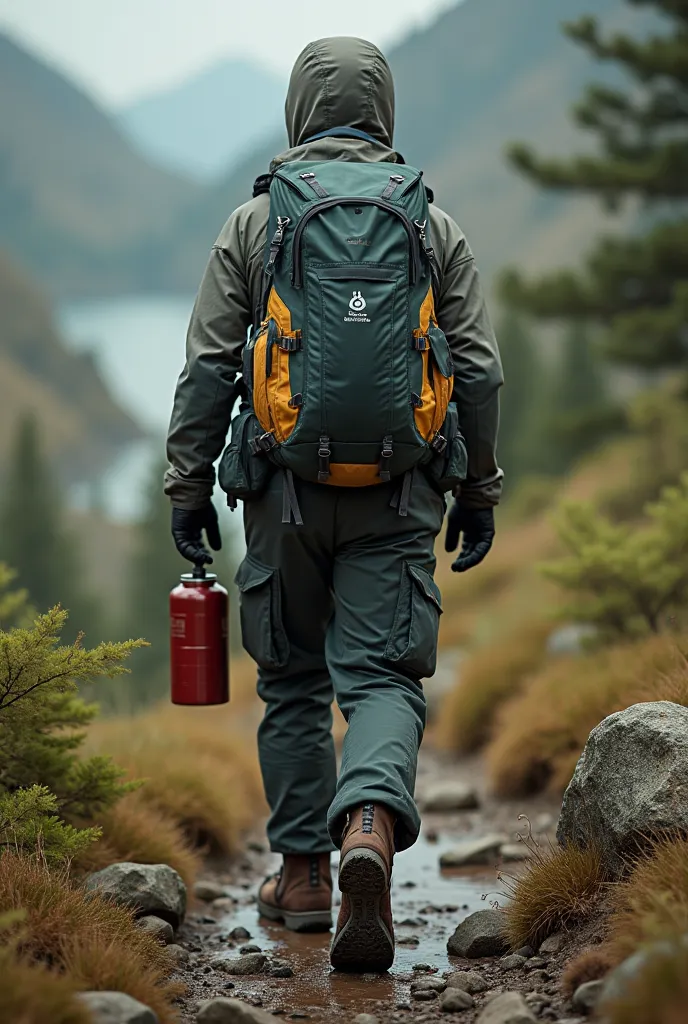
<point>342,607</point>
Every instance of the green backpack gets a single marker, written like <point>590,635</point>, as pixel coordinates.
<point>348,373</point>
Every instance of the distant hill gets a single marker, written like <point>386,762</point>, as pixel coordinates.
<point>74,192</point>
<point>484,73</point>
<point>83,426</point>
<point>206,125</point>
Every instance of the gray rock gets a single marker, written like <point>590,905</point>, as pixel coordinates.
<point>239,933</point>
<point>571,638</point>
<point>252,963</point>
<point>231,1011</point>
<point>116,1008</point>
<point>180,955</point>
<point>587,996</point>
<point>224,903</point>
<point>450,796</point>
<point>481,934</point>
<point>431,982</point>
<point>507,1008</point>
<point>534,963</point>
<point>366,1018</point>
<point>513,962</point>
<point>250,948</point>
<point>473,851</point>
<point>467,981</point>
<point>526,951</point>
<point>423,995</point>
<point>630,782</point>
<point>553,944</point>
<point>155,926</point>
<point>209,891</point>
<point>512,853</point>
<point>616,983</point>
<point>454,1000</point>
<point>149,888</point>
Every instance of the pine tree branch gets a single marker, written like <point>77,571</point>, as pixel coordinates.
<point>672,8</point>
<point>655,57</point>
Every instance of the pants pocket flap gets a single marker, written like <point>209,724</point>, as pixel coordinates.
<point>252,574</point>
<point>260,605</point>
<point>424,580</point>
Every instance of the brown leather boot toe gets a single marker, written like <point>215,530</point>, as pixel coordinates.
<point>300,895</point>
<point>364,939</point>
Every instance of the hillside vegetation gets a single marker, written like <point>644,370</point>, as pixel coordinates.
<point>73,190</point>
<point>82,423</point>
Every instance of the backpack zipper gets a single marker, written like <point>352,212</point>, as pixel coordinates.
<point>326,204</point>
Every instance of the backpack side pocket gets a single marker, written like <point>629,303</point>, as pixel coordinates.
<point>244,469</point>
<point>448,463</point>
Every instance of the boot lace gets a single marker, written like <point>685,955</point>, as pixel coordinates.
<point>367,817</point>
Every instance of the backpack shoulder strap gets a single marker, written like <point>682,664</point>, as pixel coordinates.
<point>261,185</point>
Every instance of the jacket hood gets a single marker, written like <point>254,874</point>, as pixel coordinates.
<point>341,81</point>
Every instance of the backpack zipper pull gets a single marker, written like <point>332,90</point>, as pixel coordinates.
<point>310,179</point>
<point>276,243</point>
<point>395,180</point>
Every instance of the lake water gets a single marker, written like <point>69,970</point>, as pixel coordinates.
<point>138,344</point>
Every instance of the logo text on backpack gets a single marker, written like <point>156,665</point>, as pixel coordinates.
<point>357,310</point>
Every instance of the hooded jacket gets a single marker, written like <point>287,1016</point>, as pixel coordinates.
<point>335,82</point>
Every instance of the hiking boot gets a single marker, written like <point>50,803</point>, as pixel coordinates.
<point>364,939</point>
<point>300,894</point>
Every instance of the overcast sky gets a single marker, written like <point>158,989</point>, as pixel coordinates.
<point>124,49</point>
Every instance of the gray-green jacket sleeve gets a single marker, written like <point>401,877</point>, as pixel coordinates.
<point>206,389</point>
<point>463,316</point>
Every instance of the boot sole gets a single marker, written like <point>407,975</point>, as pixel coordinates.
<point>364,943</point>
<point>304,921</point>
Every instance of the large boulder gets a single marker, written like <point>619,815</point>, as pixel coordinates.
<point>116,1008</point>
<point>630,784</point>
<point>481,934</point>
<point>148,888</point>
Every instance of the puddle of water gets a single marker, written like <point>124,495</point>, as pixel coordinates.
<point>434,901</point>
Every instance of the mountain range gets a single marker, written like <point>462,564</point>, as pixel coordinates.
<point>203,126</point>
<point>88,213</point>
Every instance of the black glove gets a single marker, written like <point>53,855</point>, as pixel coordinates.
<point>478,529</point>
<point>187,527</point>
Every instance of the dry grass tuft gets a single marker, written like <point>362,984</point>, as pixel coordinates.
<point>591,965</point>
<point>201,772</point>
<point>95,942</point>
<point>490,677</point>
<point>652,903</point>
<point>135,831</point>
<point>557,889</point>
<point>540,735</point>
<point>30,994</point>
<point>659,995</point>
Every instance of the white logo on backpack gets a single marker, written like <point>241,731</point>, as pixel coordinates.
<point>357,307</point>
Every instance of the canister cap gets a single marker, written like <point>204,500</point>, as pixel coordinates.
<point>197,578</point>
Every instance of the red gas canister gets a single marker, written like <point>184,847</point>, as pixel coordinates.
<point>199,611</point>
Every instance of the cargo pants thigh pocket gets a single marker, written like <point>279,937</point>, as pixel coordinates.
<point>260,602</point>
<point>412,645</point>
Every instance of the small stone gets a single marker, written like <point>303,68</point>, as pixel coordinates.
<point>231,1011</point>
<point>281,969</point>
<point>423,994</point>
<point>473,851</point>
<point>148,888</point>
<point>587,996</point>
<point>467,981</point>
<point>208,891</point>
<point>207,919</point>
<point>408,940</point>
<point>512,853</point>
<point>239,934</point>
<point>252,963</point>
<point>507,1008</point>
<point>155,926</point>
<point>250,949</point>
<point>454,1000</point>
<point>366,1018</point>
<point>544,822</point>
<point>412,922</point>
<point>224,903</point>
<point>481,934</point>
<point>450,796</point>
<point>553,944</point>
<point>535,963</point>
<point>427,968</point>
<point>428,982</point>
<point>116,1008</point>
<point>513,962</point>
<point>526,951</point>
<point>539,977</point>
<point>180,955</point>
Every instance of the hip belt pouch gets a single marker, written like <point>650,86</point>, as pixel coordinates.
<point>448,464</point>
<point>244,468</point>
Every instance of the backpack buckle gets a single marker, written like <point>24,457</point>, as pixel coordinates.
<point>324,454</point>
<point>439,443</point>
<point>385,455</point>
<point>266,442</point>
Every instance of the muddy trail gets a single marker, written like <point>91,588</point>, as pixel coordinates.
<point>296,981</point>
